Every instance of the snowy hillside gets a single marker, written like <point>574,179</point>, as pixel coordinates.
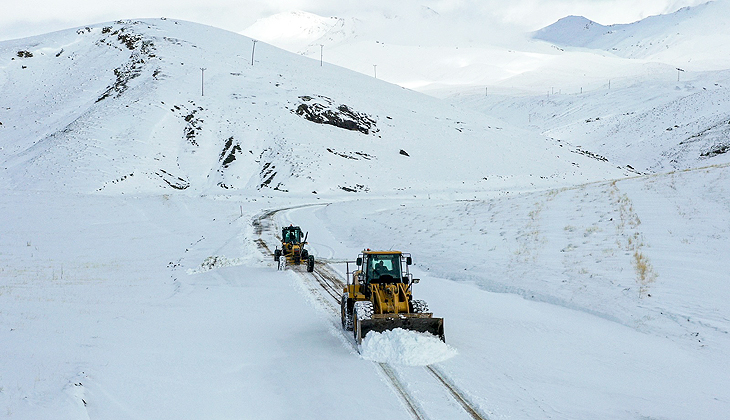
<point>574,242</point>
<point>129,97</point>
<point>651,123</point>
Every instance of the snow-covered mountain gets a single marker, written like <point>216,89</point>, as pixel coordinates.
<point>692,36</point>
<point>131,97</point>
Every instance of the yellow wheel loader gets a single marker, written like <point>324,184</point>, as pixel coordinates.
<point>292,248</point>
<point>379,297</point>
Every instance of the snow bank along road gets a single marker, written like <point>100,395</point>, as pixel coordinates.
<point>425,391</point>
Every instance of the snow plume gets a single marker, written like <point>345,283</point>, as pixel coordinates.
<point>404,347</point>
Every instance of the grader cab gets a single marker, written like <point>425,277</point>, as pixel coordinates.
<point>379,297</point>
<point>292,248</point>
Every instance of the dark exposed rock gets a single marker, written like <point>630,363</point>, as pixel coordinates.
<point>356,188</point>
<point>174,181</point>
<point>716,150</point>
<point>351,155</point>
<point>590,154</point>
<point>321,110</point>
<point>194,124</point>
<point>228,155</point>
<point>143,49</point>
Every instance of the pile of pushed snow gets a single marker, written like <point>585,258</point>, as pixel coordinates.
<point>404,347</point>
<point>213,262</point>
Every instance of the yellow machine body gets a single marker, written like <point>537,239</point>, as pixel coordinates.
<point>379,298</point>
<point>292,248</point>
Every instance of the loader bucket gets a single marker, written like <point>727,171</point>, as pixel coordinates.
<point>414,322</point>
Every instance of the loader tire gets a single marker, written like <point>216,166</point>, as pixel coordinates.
<point>346,313</point>
<point>310,263</point>
<point>419,306</point>
<point>362,310</point>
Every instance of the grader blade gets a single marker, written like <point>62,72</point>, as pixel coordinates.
<point>413,322</point>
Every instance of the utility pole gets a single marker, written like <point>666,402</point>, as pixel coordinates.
<point>375,70</point>
<point>678,70</point>
<point>486,91</point>
<point>253,50</point>
<point>321,53</point>
<point>202,81</point>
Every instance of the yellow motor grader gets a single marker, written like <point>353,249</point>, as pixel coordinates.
<point>292,248</point>
<point>379,297</point>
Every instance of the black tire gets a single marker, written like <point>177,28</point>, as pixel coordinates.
<point>277,254</point>
<point>362,310</point>
<point>346,313</point>
<point>310,263</point>
<point>305,254</point>
<point>419,307</point>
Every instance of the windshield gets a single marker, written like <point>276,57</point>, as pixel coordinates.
<point>292,235</point>
<point>383,268</point>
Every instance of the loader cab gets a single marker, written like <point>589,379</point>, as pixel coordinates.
<point>384,267</point>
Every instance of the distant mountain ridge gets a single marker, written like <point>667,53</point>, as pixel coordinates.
<point>686,35</point>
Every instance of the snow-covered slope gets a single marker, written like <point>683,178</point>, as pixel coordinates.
<point>652,123</point>
<point>130,98</point>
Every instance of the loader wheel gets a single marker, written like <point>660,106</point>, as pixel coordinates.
<point>305,254</point>
<point>310,263</point>
<point>277,254</point>
<point>346,314</point>
<point>419,307</point>
<point>363,310</point>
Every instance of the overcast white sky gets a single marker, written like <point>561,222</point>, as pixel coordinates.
<point>22,18</point>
